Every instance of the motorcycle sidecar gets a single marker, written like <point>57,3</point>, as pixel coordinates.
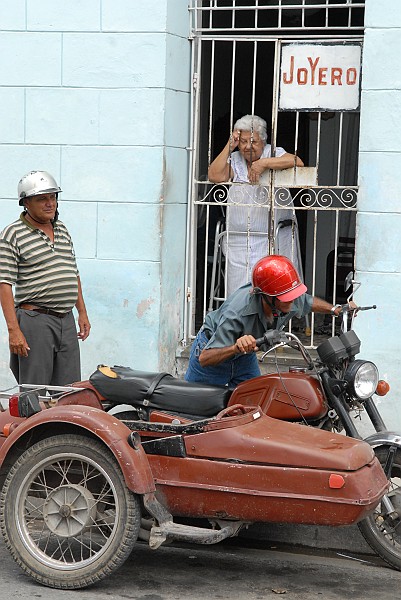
<point>78,481</point>
<point>251,467</point>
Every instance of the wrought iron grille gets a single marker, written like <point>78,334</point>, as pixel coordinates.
<point>236,61</point>
<point>278,16</point>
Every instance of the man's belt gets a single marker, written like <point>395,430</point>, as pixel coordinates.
<point>45,311</point>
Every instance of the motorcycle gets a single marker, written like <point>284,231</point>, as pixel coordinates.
<point>87,470</point>
<point>330,393</point>
<point>80,487</point>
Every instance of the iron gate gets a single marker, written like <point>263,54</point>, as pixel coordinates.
<point>237,49</point>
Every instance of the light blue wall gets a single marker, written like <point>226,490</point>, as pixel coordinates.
<point>379,218</point>
<point>97,92</point>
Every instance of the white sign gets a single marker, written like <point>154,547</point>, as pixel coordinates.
<point>320,77</point>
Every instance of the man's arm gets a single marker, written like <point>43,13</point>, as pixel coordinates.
<point>214,356</point>
<point>321,306</point>
<point>16,339</point>
<point>83,321</point>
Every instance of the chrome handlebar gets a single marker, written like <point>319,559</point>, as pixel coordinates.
<point>277,339</point>
<point>347,310</point>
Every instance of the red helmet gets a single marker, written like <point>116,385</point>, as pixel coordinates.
<point>276,276</point>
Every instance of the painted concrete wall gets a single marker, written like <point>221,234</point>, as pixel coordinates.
<point>97,93</point>
<point>379,218</point>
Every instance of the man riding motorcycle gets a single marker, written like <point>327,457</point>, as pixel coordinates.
<point>223,352</point>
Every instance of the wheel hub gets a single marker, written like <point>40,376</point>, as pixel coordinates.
<point>69,510</point>
<point>65,511</point>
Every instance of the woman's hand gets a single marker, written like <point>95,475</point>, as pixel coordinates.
<point>256,169</point>
<point>234,139</point>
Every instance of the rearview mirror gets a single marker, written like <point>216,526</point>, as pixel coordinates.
<point>348,281</point>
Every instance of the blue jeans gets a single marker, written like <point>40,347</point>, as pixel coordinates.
<point>230,372</point>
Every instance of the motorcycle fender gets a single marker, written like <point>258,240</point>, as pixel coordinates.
<point>113,433</point>
<point>384,438</point>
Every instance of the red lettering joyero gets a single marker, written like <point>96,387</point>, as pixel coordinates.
<point>312,75</point>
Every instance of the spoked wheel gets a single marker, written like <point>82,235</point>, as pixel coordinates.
<point>383,531</point>
<point>66,514</point>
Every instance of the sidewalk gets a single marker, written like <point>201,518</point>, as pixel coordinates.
<point>226,571</point>
<point>344,539</point>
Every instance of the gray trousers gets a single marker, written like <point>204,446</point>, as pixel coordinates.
<point>53,358</point>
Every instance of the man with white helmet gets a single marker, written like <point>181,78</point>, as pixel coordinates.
<point>38,260</point>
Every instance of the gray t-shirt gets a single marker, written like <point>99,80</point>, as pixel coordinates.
<point>242,314</point>
<point>43,272</point>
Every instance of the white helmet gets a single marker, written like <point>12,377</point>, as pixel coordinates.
<point>35,183</point>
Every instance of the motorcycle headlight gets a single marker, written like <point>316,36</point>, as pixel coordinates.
<point>362,376</point>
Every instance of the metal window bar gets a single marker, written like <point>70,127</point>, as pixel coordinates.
<point>211,102</point>
<point>340,139</point>
<point>190,280</point>
<point>334,299</point>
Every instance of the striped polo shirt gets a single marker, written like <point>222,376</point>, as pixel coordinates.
<point>43,273</point>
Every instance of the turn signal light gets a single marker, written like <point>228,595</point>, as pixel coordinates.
<point>382,388</point>
<point>8,428</point>
<point>13,405</point>
<point>336,482</point>
<point>24,404</point>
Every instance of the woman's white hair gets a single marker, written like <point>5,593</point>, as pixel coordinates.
<point>252,123</point>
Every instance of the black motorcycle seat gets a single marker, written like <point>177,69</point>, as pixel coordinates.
<point>159,391</point>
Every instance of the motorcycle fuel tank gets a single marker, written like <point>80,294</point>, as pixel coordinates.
<point>287,396</point>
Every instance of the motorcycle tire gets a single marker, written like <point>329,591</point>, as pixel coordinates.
<point>382,533</point>
<point>67,516</point>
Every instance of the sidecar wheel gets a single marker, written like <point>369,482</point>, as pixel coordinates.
<point>383,533</point>
<point>66,515</point>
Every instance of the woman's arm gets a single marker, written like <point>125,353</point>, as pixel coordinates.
<point>220,169</point>
<point>276,163</point>
<point>286,161</point>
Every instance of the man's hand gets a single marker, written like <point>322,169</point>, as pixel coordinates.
<point>339,310</point>
<point>18,344</point>
<point>214,356</point>
<point>245,344</point>
<point>84,326</point>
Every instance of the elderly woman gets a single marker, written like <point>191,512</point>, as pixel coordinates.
<point>248,214</point>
